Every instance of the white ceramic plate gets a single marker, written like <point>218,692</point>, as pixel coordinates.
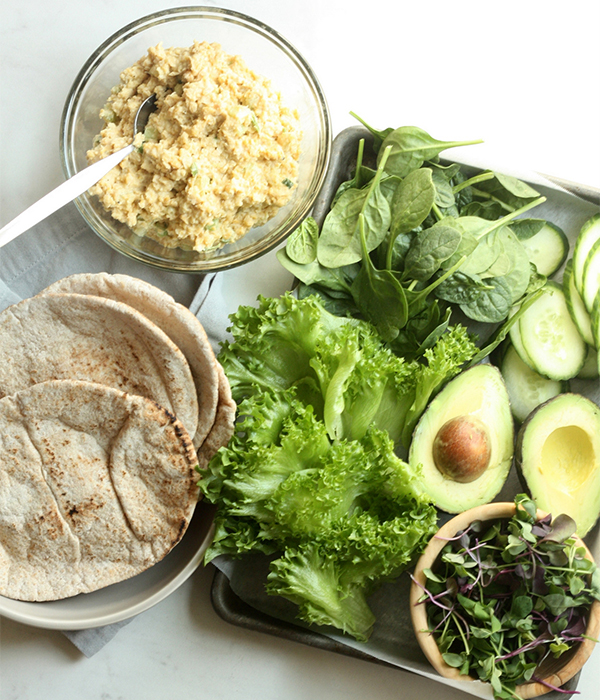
<point>127,598</point>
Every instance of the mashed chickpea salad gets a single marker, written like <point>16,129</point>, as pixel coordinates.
<point>218,157</point>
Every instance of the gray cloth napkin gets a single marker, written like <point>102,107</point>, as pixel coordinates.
<point>63,245</point>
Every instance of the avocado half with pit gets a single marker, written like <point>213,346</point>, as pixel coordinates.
<point>558,458</point>
<point>464,441</point>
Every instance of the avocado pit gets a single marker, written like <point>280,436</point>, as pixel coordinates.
<point>461,449</point>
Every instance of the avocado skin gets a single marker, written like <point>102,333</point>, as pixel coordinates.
<point>521,469</point>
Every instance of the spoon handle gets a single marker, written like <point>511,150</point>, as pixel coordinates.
<point>61,195</point>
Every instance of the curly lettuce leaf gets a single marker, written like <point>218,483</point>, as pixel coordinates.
<point>276,437</point>
<point>236,536</point>
<point>330,577</point>
<point>363,383</point>
<point>311,579</point>
<point>444,360</point>
<point>273,343</point>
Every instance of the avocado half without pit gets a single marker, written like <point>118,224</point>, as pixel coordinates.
<point>464,440</point>
<point>558,458</point>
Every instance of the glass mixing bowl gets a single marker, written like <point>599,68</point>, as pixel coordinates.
<point>266,53</point>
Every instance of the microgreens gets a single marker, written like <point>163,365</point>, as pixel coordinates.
<point>506,595</point>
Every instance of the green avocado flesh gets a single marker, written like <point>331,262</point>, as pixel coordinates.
<point>479,396</point>
<point>558,456</point>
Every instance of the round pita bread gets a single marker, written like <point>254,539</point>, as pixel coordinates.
<point>96,486</point>
<point>76,336</point>
<point>178,322</point>
<point>223,427</point>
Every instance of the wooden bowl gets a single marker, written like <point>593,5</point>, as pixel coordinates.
<point>555,671</point>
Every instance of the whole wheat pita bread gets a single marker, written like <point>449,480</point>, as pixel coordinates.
<point>83,337</point>
<point>96,486</point>
<point>216,406</point>
<point>223,427</point>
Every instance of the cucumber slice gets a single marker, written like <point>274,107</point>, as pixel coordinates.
<point>550,337</point>
<point>515,338</point>
<point>526,388</point>
<point>595,316</point>
<point>548,249</point>
<point>590,366</point>
<point>590,286</point>
<point>576,307</point>
<point>589,234</point>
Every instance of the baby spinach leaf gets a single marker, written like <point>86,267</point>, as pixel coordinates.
<point>492,304</point>
<point>429,249</point>
<point>444,179</point>
<point>444,196</point>
<point>518,277</point>
<point>336,279</point>
<point>505,190</point>
<point>460,288</point>
<point>422,331</point>
<point>301,246</point>
<point>362,175</point>
<point>418,298</point>
<point>526,228</point>
<point>379,136</point>
<point>463,183</point>
<point>388,185</point>
<point>394,258</point>
<point>411,147</point>
<point>484,255</point>
<point>340,241</point>
<point>498,241</point>
<point>467,244</point>
<point>536,280</point>
<point>486,210</point>
<point>449,172</point>
<point>412,201</point>
<point>379,295</point>
<point>516,187</point>
<point>339,305</point>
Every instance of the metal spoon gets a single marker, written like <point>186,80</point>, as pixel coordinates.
<point>76,185</point>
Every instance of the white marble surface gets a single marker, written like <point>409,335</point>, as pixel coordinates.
<point>523,75</point>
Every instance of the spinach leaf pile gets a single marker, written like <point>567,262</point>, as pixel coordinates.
<point>506,595</point>
<point>408,239</point>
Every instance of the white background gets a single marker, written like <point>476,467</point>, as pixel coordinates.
<point>522,75</point>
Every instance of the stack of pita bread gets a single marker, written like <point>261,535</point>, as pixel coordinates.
<point>110,398</point>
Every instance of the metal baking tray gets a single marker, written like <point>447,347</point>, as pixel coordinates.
<point>226,603</point>
<point>234,610</point>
